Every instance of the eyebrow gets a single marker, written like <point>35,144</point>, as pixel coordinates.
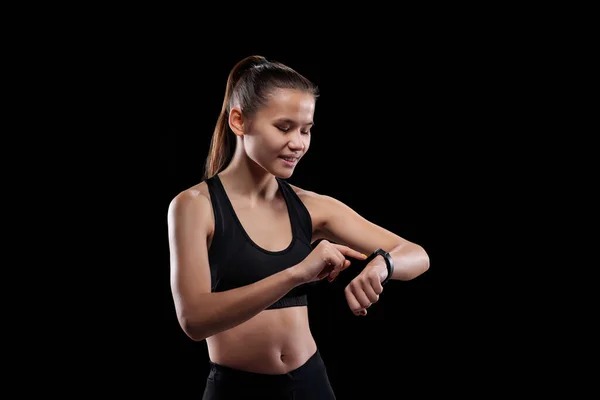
<point>292,122</point>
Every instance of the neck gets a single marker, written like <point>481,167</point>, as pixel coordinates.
<point>245,178</point>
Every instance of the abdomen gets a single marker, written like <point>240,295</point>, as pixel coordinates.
<point>273,342</point>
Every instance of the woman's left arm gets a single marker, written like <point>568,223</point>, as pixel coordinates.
<point>337,222</point>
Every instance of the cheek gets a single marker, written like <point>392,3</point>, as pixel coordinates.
<point>258,145</point>
<point>307,143</point>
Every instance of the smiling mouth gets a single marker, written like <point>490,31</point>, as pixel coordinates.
<point>290,159</point>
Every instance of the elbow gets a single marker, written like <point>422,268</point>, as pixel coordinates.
<point>421,261</point>
<point>192,328</point>
<point>192,320</point>
<point>424,260</point>
<point>420,264</point>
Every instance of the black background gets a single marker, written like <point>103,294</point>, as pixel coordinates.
<point>398,137</point>
<point>381,144</point>
<point>453,127</point>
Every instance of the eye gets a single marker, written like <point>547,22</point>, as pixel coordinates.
<point>287,129</point>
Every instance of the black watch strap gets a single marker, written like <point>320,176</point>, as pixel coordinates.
<point>388,262</point>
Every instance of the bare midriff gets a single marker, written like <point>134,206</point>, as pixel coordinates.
<point>272,342</point>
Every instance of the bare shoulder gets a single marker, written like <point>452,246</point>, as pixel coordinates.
<point>307,196</point>
<point>195,196</point>
<point>318,205</point>
<point>313,198</point>
<point>192,204</point>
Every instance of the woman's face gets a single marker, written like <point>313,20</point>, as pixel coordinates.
<point>278,135</point>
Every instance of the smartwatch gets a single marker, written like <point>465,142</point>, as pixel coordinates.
<point>388,262</point>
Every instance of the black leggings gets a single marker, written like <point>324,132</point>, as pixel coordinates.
<point>309,381</point>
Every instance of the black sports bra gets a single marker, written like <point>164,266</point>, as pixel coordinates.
<point>235,260</point>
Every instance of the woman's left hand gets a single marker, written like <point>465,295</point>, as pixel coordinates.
<point>364,289</point>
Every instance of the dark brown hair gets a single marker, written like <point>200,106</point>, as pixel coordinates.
<point>249,83</point>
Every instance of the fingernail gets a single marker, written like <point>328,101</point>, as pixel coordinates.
<point>364,255</point>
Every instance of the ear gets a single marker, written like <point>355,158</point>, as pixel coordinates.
<point>236,121</point>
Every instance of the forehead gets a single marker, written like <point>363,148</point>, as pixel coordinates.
<point>290,103</point>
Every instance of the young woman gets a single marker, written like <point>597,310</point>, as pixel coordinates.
<point>243,243</point>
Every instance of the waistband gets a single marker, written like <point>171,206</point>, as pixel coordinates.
<point>305,372</point>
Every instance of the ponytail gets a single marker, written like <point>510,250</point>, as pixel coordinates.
<point>222,144</point>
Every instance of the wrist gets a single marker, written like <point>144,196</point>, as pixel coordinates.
<point>378,265</point>
<point>384,265</point>
<point>295,276</point>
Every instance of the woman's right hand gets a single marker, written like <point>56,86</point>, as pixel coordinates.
<point>326,259</point>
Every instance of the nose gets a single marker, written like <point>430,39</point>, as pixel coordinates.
<point>296,141</point>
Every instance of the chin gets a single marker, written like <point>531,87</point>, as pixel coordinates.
<point>283,173</point>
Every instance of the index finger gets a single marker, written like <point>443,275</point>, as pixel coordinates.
<point>347,251</point>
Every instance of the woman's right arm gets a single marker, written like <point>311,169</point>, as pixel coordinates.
<point>201,313</point>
